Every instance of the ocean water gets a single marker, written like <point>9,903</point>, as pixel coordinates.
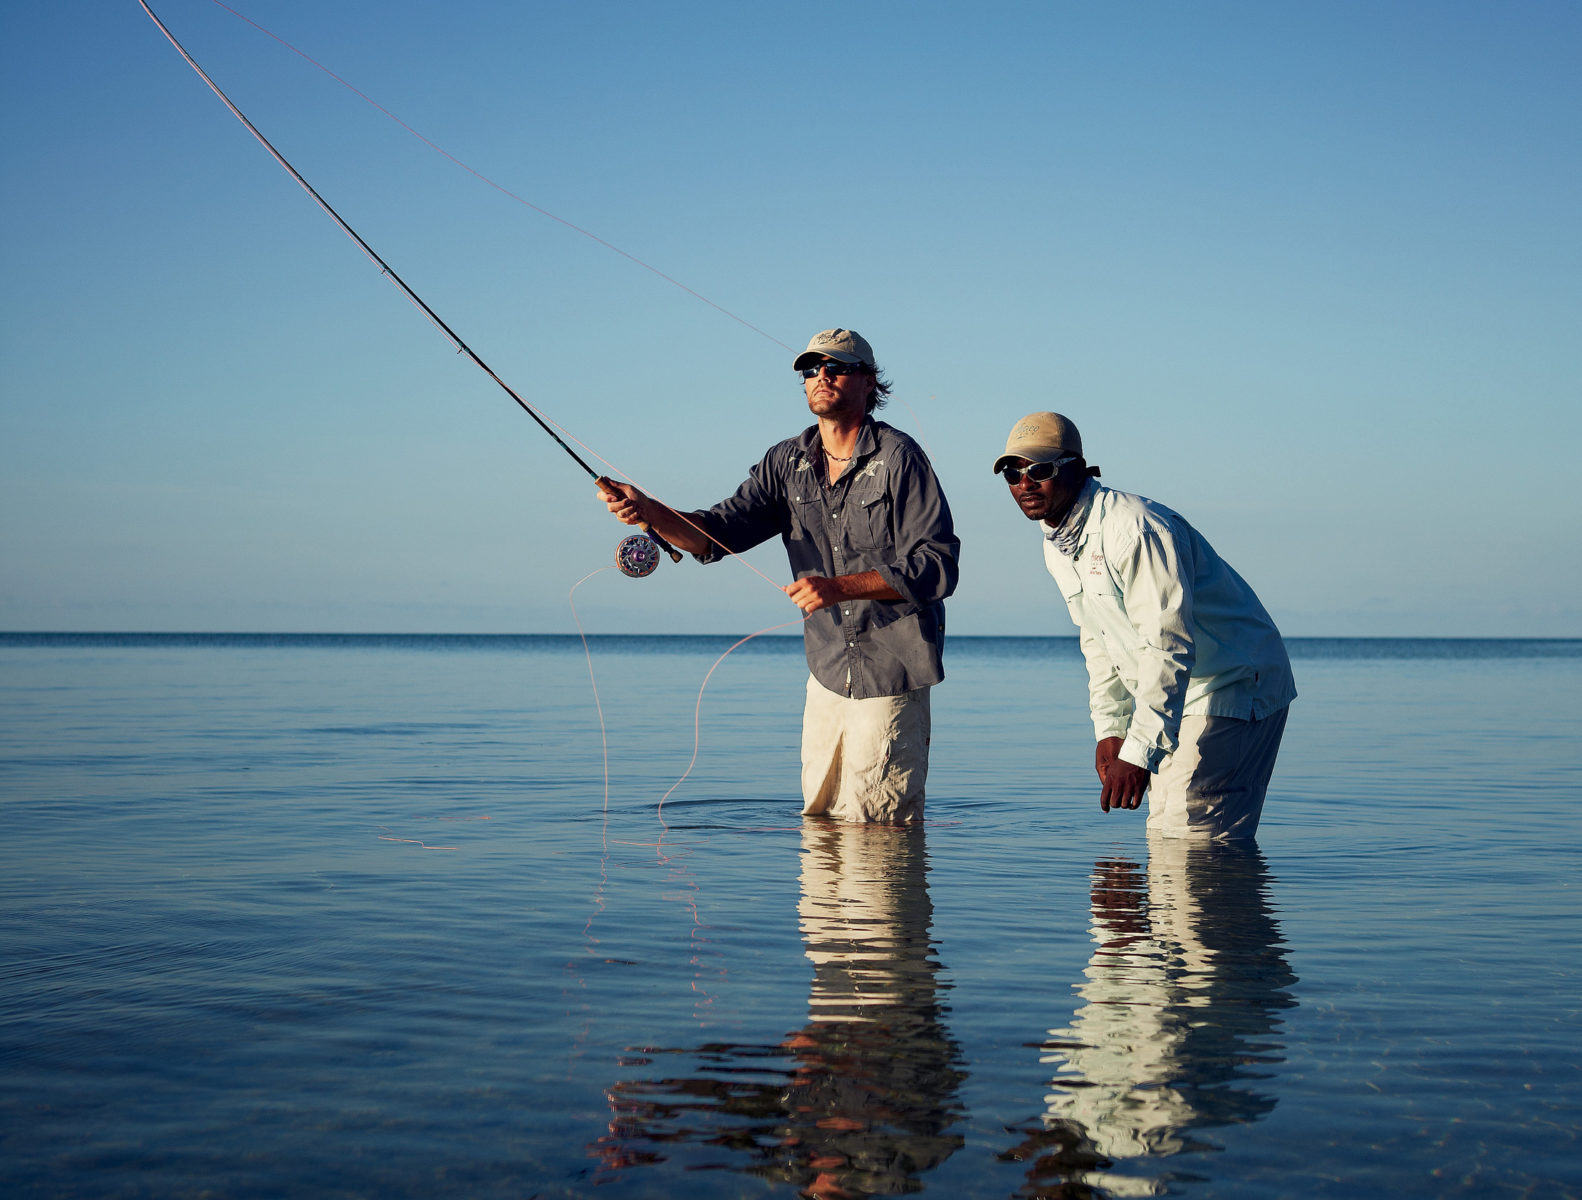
<point>367,917</point>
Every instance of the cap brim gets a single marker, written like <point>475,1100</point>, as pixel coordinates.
<point>1003,461</point>
<point>809,357</point>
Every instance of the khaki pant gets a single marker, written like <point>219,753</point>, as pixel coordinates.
<point>864,760</point>
<point>1213,786</point>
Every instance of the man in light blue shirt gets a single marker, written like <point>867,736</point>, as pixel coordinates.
<point>1188,678</point>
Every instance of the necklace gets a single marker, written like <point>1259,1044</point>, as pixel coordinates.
<point>838,458</point>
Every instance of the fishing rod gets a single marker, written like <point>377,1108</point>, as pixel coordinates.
<point>635,556</point>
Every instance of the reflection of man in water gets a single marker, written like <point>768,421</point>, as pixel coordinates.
<point>875,1080</point>
<point>867,1090</point>
<point>1182,1002</point>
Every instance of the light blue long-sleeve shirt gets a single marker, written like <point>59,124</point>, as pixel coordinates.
<point>1168,629</point>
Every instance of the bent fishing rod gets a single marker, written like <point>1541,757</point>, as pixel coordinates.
<point>632,557</point>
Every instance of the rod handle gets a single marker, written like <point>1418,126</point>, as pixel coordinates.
<point>604,485</point>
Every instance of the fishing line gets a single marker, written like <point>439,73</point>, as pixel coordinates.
<point>697,716</point>
<point>632,560</point>
<point>634,555</point>
<point>389,837</point>
<point>680,875</point>
<point>664,856</point>
<point>604,741</point>
<point>589,940</point>
<point>630,557</point>
<point>389,833</point>
<point>602,482</point>
<point>505,191</point>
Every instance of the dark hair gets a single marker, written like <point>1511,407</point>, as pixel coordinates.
<point>881,388</point>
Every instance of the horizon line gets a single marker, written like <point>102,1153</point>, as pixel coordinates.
<point>411,633</point>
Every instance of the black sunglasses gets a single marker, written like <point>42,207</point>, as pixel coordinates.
<point>1038,472</point>
<point>834,368</point>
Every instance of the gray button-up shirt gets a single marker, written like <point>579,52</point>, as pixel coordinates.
<point>885,514</point>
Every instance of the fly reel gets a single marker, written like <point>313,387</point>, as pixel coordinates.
<point>637,555</point>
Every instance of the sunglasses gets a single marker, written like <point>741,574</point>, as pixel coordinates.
<point>834,368</point>
<point>1038,472</point>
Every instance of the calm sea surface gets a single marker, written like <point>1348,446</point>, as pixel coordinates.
<point>361,917</point>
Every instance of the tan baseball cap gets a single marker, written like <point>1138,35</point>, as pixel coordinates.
<point>1040,437</point>
<point>843,345</point>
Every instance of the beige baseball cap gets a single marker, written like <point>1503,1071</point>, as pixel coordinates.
<point>1040,437</point>
<point>843,345</point>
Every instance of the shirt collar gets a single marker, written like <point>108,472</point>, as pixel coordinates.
<point>867,442</point>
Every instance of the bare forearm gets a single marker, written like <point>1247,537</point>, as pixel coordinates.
<point>632,507</point>
<point>866,585</point>
<point>813,592</point>
<point>675,529</point>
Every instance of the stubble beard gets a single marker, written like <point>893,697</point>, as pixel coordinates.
<point>831,405</point>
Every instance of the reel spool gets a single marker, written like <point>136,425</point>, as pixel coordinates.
<point>637,556</point>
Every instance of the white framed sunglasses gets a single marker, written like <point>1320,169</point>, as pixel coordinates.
<point>1038,472</point>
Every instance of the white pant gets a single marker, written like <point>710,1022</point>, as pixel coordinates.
<point>1212,787</point>
<point>865,760</point>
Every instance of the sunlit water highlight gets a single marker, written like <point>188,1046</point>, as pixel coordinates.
<point>349,917</point>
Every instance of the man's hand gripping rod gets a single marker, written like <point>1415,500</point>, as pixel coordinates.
<point>603,483</point>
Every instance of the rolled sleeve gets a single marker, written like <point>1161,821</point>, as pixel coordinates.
<point>927,566</point>
<point>885,514</point>
<point>748,517</point>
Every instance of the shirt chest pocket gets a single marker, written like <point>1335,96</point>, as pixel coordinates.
<point>807,517</point>
<point>1094,577</point>
<point>1090,597</point>
<point>866,514</point>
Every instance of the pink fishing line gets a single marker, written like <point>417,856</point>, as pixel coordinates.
<point>499,187</point>
<point>544,419</point>
<point>697,711</point>
<point>604,741</point>
<point>697,714</point>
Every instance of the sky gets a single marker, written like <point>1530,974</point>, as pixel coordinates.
<point>1308,273</point>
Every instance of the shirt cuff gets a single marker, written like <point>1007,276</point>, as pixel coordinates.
<point>892,578</point>
<point>712,550</point>
<point>1140,754</point>
<point>1116,727</point>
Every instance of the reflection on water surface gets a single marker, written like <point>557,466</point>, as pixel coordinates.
<point>1180,1024</point>
<point>217,979</point>
<point>861,1099</point>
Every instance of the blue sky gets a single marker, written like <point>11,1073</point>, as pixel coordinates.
<point>1309,274</point>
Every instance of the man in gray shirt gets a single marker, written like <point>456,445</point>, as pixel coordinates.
<point>873,555</point>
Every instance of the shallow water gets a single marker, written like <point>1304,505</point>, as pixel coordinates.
<point>354,917</point>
